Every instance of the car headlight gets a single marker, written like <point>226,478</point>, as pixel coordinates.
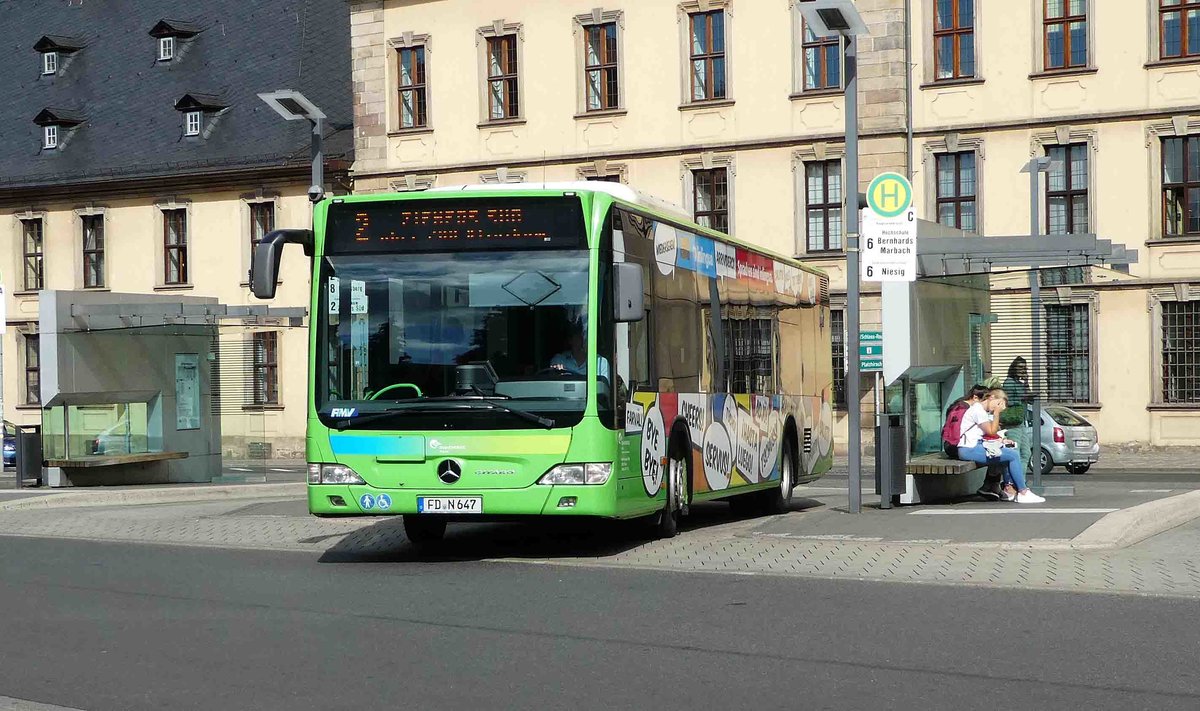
<point>332,474</point>
<point>592,473</point>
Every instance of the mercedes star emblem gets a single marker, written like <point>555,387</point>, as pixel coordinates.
<point>449,471</point>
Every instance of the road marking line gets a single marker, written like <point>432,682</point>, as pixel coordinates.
<point>1150,491</point>
<point>981,512</point>
<point>8,703</point>
<point>282,470</point>
<point>239,469</point>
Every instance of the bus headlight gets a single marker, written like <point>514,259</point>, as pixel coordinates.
<point>332,474</point>
<point>593,473</point>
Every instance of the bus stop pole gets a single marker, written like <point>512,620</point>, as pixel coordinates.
<point>853,384</point>
<point>1035,307</point>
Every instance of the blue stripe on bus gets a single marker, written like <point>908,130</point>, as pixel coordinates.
<point>377,446</point>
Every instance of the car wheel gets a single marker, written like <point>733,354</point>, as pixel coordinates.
<point>678,474</point>
<point>1047,463</point>
<point>1078,468</point>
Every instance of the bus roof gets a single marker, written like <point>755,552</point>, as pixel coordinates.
<point>622,193</point>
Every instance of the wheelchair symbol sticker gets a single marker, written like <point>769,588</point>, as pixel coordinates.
<point>384,502</point>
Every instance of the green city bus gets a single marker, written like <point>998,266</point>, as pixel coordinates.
<point>564,349</point>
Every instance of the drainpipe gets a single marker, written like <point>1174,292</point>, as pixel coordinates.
<point>908,70</point>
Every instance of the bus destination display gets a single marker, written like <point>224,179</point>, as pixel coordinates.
<point>454,225</point>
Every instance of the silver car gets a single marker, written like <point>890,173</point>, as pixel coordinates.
<point>1068,440</point>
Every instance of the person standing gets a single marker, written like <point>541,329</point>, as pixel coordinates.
<point>1016,419</point>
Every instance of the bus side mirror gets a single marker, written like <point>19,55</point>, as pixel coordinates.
<point>264,263</point>
<point>628,287</point>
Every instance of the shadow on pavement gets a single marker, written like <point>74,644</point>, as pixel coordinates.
<point>385,542</point>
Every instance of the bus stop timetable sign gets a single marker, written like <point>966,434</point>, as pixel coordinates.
<point>889,230</point>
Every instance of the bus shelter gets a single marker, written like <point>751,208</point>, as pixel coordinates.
<point>948,330</point>
<point>146,389</point>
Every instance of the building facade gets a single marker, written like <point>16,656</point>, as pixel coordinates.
<point>138,158</point>
<point>733,110</point>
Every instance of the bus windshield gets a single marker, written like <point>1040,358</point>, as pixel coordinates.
<point>442,339</point>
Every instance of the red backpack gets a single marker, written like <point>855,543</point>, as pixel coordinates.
<point>952,430</point>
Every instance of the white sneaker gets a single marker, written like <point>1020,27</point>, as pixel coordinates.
<point>1028,497</point>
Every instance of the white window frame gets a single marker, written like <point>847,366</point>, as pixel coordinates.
<point>1176,127</point>
<point>817,152</point>
<point>80,213</point>
<point>50,136</point>
<point>166,48</point>
<point>1040,145</point>
<point>193,123</point>
<point>49,63</point>
<point>1177,292</point>
<point>1073,296</point>
<point>929,69</point>
<point>160,276</point>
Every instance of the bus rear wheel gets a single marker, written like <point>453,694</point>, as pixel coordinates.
<point>422,530</point>
<point>777,500</point>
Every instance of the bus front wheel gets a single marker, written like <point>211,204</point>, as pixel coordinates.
<point>424,529</point>
<point>678,475</point>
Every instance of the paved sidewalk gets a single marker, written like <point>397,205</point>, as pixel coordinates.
<point>1005,549</point>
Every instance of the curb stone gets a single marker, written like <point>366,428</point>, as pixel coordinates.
<point>164,495</point>
<point>1137,523</point>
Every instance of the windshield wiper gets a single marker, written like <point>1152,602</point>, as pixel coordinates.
<point>543,421</point>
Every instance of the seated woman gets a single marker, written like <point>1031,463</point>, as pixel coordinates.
<point>983,419</point>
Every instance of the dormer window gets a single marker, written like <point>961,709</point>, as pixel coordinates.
<point>56,51</point>
<point>198,110</point>
<point>172,36</point>
<point>193,122</point>
<point>57,125</point>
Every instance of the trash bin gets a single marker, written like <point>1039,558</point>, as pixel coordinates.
<point>891,454</point>
<point>29,455</point>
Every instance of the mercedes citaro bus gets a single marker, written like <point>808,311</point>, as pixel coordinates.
<point>564,349</point>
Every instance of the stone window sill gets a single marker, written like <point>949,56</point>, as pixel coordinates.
<point>419,131</point>
<point>28,407</point>
<point>1171,62</point>
<point>262,408</point>
<point>1174,407</point>
<point>174,287</point>
<point>943,83</point>
<point>602,113</point>
<point>1167,241</point>
<point>708,104</point>
<point>501,122</point>
<point>817,93</point>
<point>1072,72</point>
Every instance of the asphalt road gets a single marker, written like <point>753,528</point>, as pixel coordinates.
<point>125,627</point>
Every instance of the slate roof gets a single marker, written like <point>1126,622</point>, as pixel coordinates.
<point>131,128</point>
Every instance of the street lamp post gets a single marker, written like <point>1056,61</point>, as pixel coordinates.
<point>294,106</point>
<point>1035,167</point>
<point>841,17</point>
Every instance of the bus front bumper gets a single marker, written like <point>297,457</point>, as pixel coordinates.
<point>558,500</point>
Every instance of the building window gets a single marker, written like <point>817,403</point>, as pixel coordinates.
<point>710,198</point>
<point>822,60</point>
<point>50,136</point>
<point>193,120</point>
<point>266,368</point>
<point>262,221</point>
<point>1181,186</point>
<point>1067,190</point>
<point>823,204</point>
<point>1181,351</point>
<point>93,251</point>
<point>603,90</point>
<point>837,327</point>
<point>1068,353</point>
<point>175,263</point>
<point>32,249</point>
<point>956,190</point>
<point>604,178</point>
<point>503,94</point>
<point>1062,276</point>
<point>33,361</point>
<point>954,38</point>
<point>707,42</point>
<point>1179,28</point>
<point>166,49</point>
<point>50,63</point>
<point>414,106</point>
<point>1065,26</point>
